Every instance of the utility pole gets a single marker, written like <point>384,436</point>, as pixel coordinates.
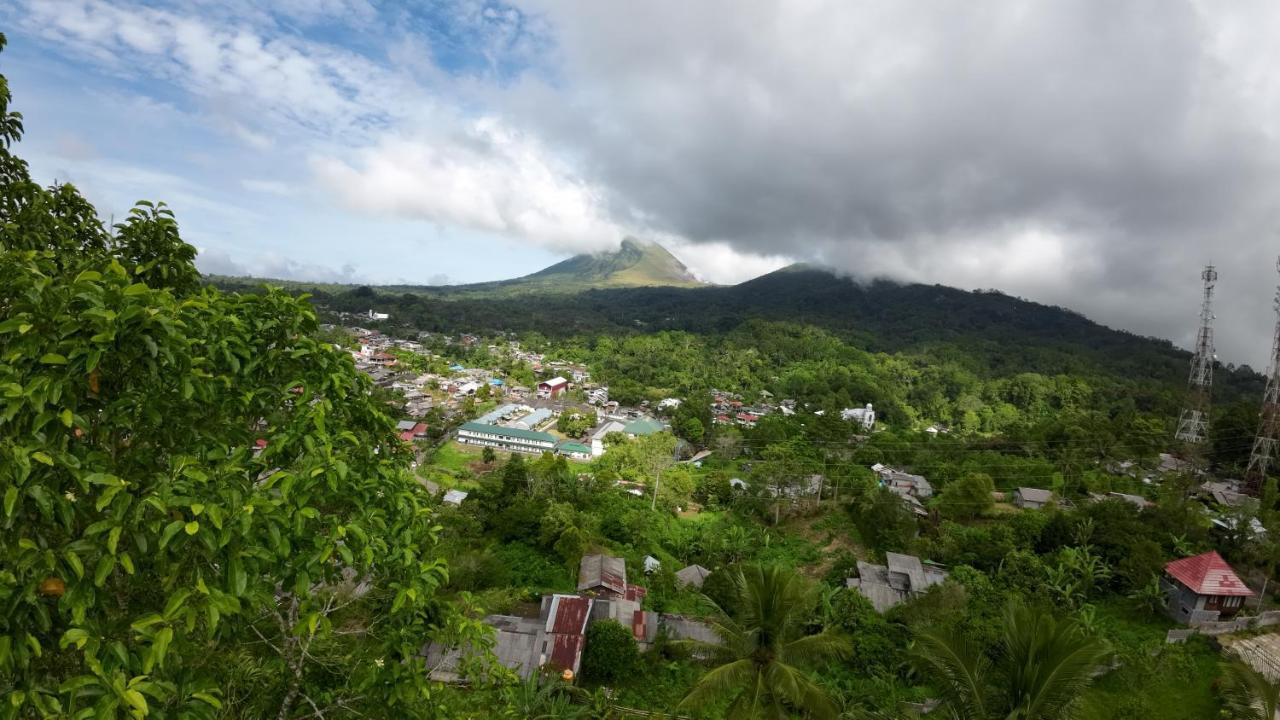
<point>1264,444</point>
<point>1193,424</point>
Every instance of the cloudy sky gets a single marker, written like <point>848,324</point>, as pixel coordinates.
<point>1088,154</point>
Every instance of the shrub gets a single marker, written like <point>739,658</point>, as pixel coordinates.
<point>611,654</point>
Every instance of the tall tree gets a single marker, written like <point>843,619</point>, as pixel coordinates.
<point>1038,671</point>
<point>196,490</point>
<point>762,644</point>
<point>1248,694</point>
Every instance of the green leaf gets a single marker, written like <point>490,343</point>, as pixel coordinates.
<point>76,683</point>
<point>67,418</point>
<point>73,561</point>
<point>76,636</point>
<point>113,539</point>
<point>53,359</point>
<point>159,648</point>
<point>208,699</point>
<point>107,496</point>
<point>127,562</point>
<point>169,531</point>
<point>99,527</point>
<point>137,701</point>
<point>41,457</point>
<point>10,499</point>
<point>192,527</point>
<point>239,580</point>
<point>175,602</point>
<point>196,509</point>
<point>146,621</point>
<point>106,564</point>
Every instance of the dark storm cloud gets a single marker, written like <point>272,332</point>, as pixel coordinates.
<point>1091,154</point>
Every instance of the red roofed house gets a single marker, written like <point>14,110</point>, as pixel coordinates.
<point>410,430</point>
<point>1203,588</point>
<point>566,630</point>
<point>552,388</point>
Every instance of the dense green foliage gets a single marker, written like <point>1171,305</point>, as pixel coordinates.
<point>762,638</point>
<point>207,513</point>
<point>153,561</point>
<point>611,653</point>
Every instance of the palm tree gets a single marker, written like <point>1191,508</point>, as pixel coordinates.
<point>547,698</point>
<point>760,647</point>
<point>1041,666</point>
<point>1249,694</point>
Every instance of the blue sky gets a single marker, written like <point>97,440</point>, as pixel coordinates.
<point>116,102</point>
<point>1092,154</point>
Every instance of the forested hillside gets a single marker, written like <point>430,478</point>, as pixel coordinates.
<point>217,502</point>
<point>980,361</point>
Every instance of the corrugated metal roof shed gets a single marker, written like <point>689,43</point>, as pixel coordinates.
<point>602,571</point>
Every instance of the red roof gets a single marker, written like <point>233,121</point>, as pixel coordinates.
<point>566,625</point>
<point>568,614</point>
<point>635,592</point>
<point>1208,574</point>
<point>418,430</point>
<point>566,651</point>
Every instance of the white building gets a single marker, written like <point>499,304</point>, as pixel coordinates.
<point>599,434</point>
<point>864,415</point>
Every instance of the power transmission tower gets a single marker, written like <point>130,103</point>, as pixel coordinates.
<point>1264,445</point>
<point>1193,424</point>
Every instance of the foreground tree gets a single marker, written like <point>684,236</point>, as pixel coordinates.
<point>1248,694</point>
<point>1039,670</point>
<point>762,643</point>
<point>203,510</point>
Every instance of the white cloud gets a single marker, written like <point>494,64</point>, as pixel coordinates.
<point>486,177</point>
<point>270,76</point>
<point>719,263</point>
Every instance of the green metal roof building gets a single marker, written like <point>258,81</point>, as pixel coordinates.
<point>643,426</point>
<point>574,449</point>
<point>505,438</point>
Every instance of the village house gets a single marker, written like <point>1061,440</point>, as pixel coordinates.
<point>553,388</point>
<point>410,430</point>
<point>574,450</point>
<point>1225,493</point>
<point>900,578</point>
<point>533,419</point>
<point>465,389</point>
<point>602,575</point>
<point>1032,498</point>
<point>1136,500</point>
<point>692,576</point>
<point>454,497</point>
<point>903,483</point>
<point>1203,588</point>
<point>598,435</point>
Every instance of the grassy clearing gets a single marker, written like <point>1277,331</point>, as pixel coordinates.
<point>1172,682</point>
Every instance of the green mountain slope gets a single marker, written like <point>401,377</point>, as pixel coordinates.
<point>993,332</point>
<point>635,264</point>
